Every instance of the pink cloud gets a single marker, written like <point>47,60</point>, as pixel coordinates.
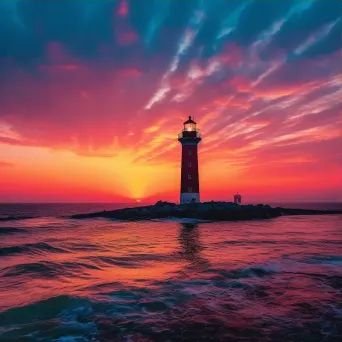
<point>127,38</point>
<point>55,53</point>
<point>123,9</point>
<point>241,84</point>
<point>59,67</point>
<point>232,55</point>
<point>58,59</point>
<point>131,72</point>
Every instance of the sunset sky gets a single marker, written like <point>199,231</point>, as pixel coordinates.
<point>94,93</point>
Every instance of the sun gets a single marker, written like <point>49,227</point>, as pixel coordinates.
<point>138,200</point>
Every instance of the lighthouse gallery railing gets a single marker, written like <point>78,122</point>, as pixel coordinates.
<point>181,134</point>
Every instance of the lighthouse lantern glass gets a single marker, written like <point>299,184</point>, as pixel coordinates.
<point>190,127</point>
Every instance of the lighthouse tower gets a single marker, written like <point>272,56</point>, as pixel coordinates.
<point>189,138</point>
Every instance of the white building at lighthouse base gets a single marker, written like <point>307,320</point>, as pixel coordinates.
<point>189,197</point>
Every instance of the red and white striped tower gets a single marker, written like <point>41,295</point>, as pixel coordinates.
<point>189,138</point>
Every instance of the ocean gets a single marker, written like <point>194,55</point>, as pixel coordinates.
<point>168,280</point>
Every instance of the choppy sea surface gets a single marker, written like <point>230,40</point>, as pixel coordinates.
<point>102,280</point>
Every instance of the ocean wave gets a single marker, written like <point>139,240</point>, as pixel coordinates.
<point>327,259</point>
<point>254,271</point>
<point>15,218</point>
<point>11,230</point>
<point>113,261</point>
<point>246,242</point>
<point>31,248</point>
<point>82,246</point>
<point>42,310</point>
<point>48,269</point>
<point>60,318</point>
<point>188,310</point>
<point>131,260</point>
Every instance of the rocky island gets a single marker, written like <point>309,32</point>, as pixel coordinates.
<point>211,211</point>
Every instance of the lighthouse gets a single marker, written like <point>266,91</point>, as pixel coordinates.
<point>190,137</point>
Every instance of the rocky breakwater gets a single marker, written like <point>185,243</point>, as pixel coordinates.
<point>213,211</point>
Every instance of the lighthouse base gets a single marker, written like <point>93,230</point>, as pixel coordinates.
<point>189,197</point>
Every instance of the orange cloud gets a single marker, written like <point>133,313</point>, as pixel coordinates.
<point>277,91</point>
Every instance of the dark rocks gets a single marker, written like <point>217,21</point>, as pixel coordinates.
<point>164,204</point>
<point>213,211</point>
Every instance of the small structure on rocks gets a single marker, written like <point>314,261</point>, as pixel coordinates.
<point>237,198</point>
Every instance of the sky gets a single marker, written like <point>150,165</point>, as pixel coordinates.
<point>94,93</point>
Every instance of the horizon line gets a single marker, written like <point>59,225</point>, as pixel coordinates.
<point>252,202</point>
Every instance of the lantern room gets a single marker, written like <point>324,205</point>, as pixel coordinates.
<point>190,131</point>
<point>189,125</point>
